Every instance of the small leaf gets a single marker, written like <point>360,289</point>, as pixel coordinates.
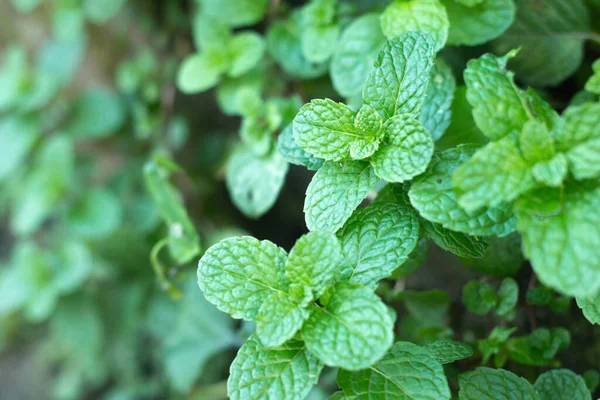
<point>246,49</point>
<point>201,71</point>
<point>96,113</point>
<point>494,384</point>
<point>437,111</point>
<point>461,244</point>
<point>590,306</point>
<point>294,154</point>
<point>280,317</point>
<point>448,351</point>
<point>479,297</point>
<point>508,296</point>
<point>319,42</point>
<point>561,384</point>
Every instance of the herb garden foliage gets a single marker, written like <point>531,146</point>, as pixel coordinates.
<point>472,126</point>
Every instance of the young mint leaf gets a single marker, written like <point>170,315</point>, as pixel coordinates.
<point>458,243</point>
<point>479,297</point>
<point>407,371</point>
<point>423,15</point>
<point>579,138</point>
<point>437,112</point>
<point>334,193</point>
<point>490,87</point>
<point>473,24</point>
<point>508,296</point>
<point>593,83</point>
<point>536,142</point>
<point>284,372</point>
<point>592,379</point>
<point>552,172</point>
<point>314,261</point>
<point>235,13</point>
<point>590,306</point>
<point>369,122</point>
<point>280,317</point>
<point>253,181</point>
<point>319,42</point>
<point>551,35</point>
<point>95,216</point>
<point>201,71</point>
<point>355,54</point>
<point>432,194</point>
<point>398,81</point>
<point>245,49</point>
<point>496,174</point>
<point>542,110</point>
<point>100,13</point>
<point>560,230</point>
<point>407,151</point>
<point>96,113</point>
<point>494,384</point>
<point>294,154</point>
<point>495,342</point>
<point>376,240</point>
<point>210,33</point>
<point>502,258</point>
<point>239,274</point>
<point>17,136</point>
<point>559,384</point>
<point>448,351</point>
<point>353,330</point>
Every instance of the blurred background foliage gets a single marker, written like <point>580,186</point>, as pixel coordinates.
<point>105,164</point>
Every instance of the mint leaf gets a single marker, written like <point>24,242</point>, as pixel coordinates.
<point>334,193</point>
<point>502,258</point>
<point>561,384</point>
<point>253,181</point>
<point>294,154</point>
<point>201,71</point>
<point>497,173</point>
<point>355,54</point>
<point>560,230</point>
<point>407,371</point>
<point>319,42</point>
<point>314,261</point>
<point>579,138</point>
<point>508,296</point>
<point>407,151</point>
<point>479,297</point>
<point>458,243</point>
<point>432,194</point>
<point>590,306</point>
<point>284,372</point>
<point>17,136</point>
<point>369,122</point>
<point>490,87</point>
<point>437,112</point>
<point>245,49</point>
<point>239,274</point>
<point>536,142</point>
<point>494,384</point>
<point>235,13</point>
<point>495,342</point>
<point>280,317</point>
<point>353,330</point>
<point>101,13</point>
<point>448,351</point>
<point>473,24</point>
<point>552,172</point>
<point>398,81</point>
<point>551,37</point>
<point>424,15</point>
<point>376,240</point>
<point>593,83</point>
<point>96,113</point>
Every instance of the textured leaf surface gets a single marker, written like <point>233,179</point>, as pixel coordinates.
<point>352,331</point>
<point>494,384</point>
<point>284,372</point>
<point>497,173</point>
<point>458,243</point>
<point>562,384</point>
<point>552,172</point>
<point>406,372</point>
<point>314,261</point>
<point>294,154</point>
<point>407,151</point>
<point>590,306</point>
<point>398,81</point>
<point>551,36</point>
<point>335,191</point>
<point>376,240</point>
<point>496,101</point>
<point>561,232</point>
<point>432,194</point>
<point>238,274</point>
<point>355,54</point>
<point>279,318</point>
<point>477,24</point>
<point>535,141</point>
<point>448,351</point>
<point>420,15</point>
<point>437,107</point>
<point>593,83</point>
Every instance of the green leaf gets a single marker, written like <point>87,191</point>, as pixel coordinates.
<point>239,274</point>
<point>579,139</point>
<point>209,32</point>
<point>201,71</point>
<point>479,297</point>
<point>284,372</point>
<point>562,384</point>
<point>490,87</point>
<point>254,182</point>
<point>551,173</point>
<point>458,243</point>
<point>293,153</point>
<point>480,23</point>
<point>502,258</point>
<point>17,136</point>
<point>469,3</point>
<point>355,54</point>
<point>235,13</point>
<point>101,12</point>
<point>96,215</point>
<point>407,151</point>
<point>437,112</point>
<point>246,49</point>
<point>421,15</point>
<point>448,351</point>
<point>398,81</point>
<point>407,371</point>
<point>561,243</point>
<point>496,174</point>
<point>353,330</point>
<point>25,6</point>
<point>551,36</point>
<point>13,76</point>
<point>432,194</point>
<point>376,240</point>
<point>96,113</point>
<point>280,317</point>
<point>494,384</point>
<point>319,42</point>
<point>508,296</point>
<point>370,124</point>
<point>535,142</point>
<point>590,306</point>
<point>593,83</point>
<point>334,193</point>
<point>592,379</point>
<point>314,261</point>
<point>495,342</point>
